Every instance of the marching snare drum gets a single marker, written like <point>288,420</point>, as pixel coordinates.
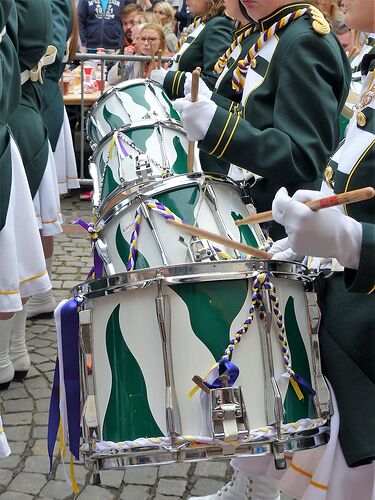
<point>126,103</point>
<point>146,334</point>
<point>134,234</point>
<point>139,154</point>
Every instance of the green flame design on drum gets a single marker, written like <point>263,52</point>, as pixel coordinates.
<point>113,120</point>
<point>180,165</point>
<point>138,94</point>
<point>246,234</point>
<point>123,248</point>
<point>295,408</point>
<point>128,414</point>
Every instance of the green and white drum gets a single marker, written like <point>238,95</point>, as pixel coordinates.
<point>145,334</point>
<point>134,234</point>
<point>126,103</point>
<point>139,154</point>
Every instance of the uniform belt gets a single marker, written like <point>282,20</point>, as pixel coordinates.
<point>2,33</point>
<point>35,74</point>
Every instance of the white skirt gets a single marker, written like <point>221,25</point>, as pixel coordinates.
<point>317,474</point>
<point>22,265</point>
<point>65,161</point>
<point>47,201</point>
<point>4,446</point>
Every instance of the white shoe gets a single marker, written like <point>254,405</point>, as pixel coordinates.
<point>18,350</point>
<point>245,487</point>
<point>6,365</point>
<point>41,304</point>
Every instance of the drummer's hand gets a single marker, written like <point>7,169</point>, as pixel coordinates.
<point>130,50</point>
<point>281,250</point>
<point>158,75</point>
<point>202,90</point>
<point>322,233</point>
<point>196,116</point>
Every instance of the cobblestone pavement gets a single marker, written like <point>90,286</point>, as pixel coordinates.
<point>24,407</point>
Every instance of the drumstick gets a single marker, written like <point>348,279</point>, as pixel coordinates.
<point>194,96</point>
<point>330,201</point>
<point>196,231</point>
<point>159,59</point>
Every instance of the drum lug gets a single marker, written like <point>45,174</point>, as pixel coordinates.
<point>278,448</point>
<point>323,400</point>
<point>143,167</point>
<point>228,414</point>
<point>201,251</point>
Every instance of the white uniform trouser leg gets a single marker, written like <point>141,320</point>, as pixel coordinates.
<point>18,350</point>
<point>6,365</point>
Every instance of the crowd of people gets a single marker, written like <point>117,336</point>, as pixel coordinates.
<point>275,77</point>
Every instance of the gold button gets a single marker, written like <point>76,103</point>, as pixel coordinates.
<point>253,63</point>
<point>361,119</point>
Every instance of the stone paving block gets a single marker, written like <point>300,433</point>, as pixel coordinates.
<point>56,489</point>
<point>46,367</point>
<point>111,478</point>
<point>40,418</point>
<point>206,486</point>
<point>141,475</point>
<point>18,433</point>
<point>42,404</point>
<point>68,285</point>
<point>36,359</point>
<point>38,342</point>
<point>28,482</point>
<point>174,470</point>
<point>14,393</point>
<point>37,464</point>
<point>211,469</point>
<point>174,487</point>
<point>40,448</point>
<point>37,383</point>
<point>163,497</point>
<point>95,493</point>
<point>5,477</point>
<point>47,351</point>
<point>15,496</point>
<point>11,462</point>
<point>40,327</point>
<point>50,376</point>
<point>132,492</point>
<point>18,405</point>
<point>79,471</point>
<point>39,432</point>
<point>17,418</point>
<point>17,447</point>
<point>40,393</point>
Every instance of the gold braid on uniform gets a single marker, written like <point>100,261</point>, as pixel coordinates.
<point>189,29</point>
<point>222,61</point>
<point>319,24</point>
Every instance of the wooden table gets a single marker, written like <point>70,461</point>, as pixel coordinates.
<point>75,99</point>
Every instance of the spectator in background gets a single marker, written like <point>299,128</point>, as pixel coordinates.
<point>100,23</point>
<point>151,38</point>
<point>183,17</point>
<point>146,18</point>
<point>128,15</point>
<point>165,13</point>
<point>345,36</point>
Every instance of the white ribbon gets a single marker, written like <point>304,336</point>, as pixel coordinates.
<point>2,33</point>
<point>35,74</point>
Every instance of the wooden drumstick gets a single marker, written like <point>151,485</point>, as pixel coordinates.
<point>194,96</point>
<point>330,201</point>
<point>196,231</point>
<point>159,59</point>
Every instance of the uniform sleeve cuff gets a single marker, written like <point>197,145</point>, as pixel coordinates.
<point>219,133</point>
<point>362,280</point>
<point>174,82</point>
<point>224,102</point>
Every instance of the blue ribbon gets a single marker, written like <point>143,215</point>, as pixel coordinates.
<point>70,362</point>
<point>225,367</point>
<point>302,382</point>
<point>97,268</point>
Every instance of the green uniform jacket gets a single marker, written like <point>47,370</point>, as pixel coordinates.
<point>203,51</point>
<point>27,124</point>
<point>288,124</point>
<point>10,94</point>
<point>347,301</point>
<point>53,103</point>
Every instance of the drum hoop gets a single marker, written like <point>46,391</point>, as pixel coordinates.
<point>135,125</point>
<point>191,273</point>
<point>121,198</point>
<point>127,83</point>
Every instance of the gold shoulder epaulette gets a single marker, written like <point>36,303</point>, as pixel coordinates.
<point>319,22</point>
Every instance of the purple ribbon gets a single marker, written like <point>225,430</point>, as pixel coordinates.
<point>302,382</point>
<point>70,362</point>
<point>122,147</point>
<point>225,366</point>
<point>97,268</point>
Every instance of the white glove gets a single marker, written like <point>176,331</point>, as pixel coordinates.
<point>324,233</point>
<point>196,116</point>
<point>158,75</point>
<point>281,251</point>
<point>202,88</point>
